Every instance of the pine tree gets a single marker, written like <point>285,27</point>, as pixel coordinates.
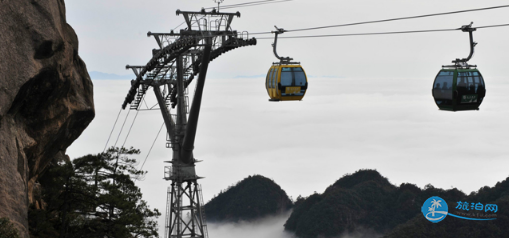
<point>117,209</point>
<point>95,196</point>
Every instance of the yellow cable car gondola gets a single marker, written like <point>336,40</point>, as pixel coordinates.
<point>285,80</point>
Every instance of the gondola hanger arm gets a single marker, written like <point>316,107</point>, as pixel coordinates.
<point>274,45</point>
<point>467,28</point>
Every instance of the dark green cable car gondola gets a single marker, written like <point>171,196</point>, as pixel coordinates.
<point>460,86</point>
<point>285,80</point>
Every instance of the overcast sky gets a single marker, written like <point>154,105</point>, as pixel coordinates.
<point>369,102</point>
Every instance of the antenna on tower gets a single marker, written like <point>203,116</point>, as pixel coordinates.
<point>218,2</point>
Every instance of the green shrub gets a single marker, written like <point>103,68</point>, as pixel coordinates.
<point>7,230</point>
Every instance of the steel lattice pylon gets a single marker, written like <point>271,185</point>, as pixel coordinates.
<point>180,57</point>
<point>184,213</point>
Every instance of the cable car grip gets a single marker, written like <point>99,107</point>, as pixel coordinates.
<point>463,62</point>
<point>274,45</point>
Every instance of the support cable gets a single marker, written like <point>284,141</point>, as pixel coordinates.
<point>248,4</point>
<point>121,129</point>
<point>118,137</point>
<point>109,137</point>
<point>491,26</point>
<point>388,20</point>
<point>257,4</point>
<point>179,25</point>
<point>359,34</point>
<point>132,124</point>
<point>379,33</point>
<point>152,146</point>
<point>145,103</point>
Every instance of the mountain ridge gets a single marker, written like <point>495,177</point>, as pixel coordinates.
<point>96,75</point>
<point>249,199</point>
<point>365,204</point>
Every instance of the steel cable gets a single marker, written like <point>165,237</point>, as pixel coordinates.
<point>132,124</point>
<point>377,33</point>
<point>248,4</point>
<point>391,19</point>
<point>109,137</point>
<point>122,128</point>
<point>150,150</point>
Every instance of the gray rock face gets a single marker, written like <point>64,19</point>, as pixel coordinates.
<point>46,97</point>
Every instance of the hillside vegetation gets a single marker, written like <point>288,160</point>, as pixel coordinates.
<point>254,197</point>
<point>452,227</point>
<point>365,202</point>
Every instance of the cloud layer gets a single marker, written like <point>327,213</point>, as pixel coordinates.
<point>267,227</point>
<point>341,126</point>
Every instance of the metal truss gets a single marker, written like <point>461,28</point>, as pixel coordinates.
<point>180,58</point>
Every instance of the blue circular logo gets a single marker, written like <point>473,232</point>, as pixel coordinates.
<point>435,209</point>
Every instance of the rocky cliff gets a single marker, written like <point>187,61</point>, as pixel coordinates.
<point>46,97</point>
